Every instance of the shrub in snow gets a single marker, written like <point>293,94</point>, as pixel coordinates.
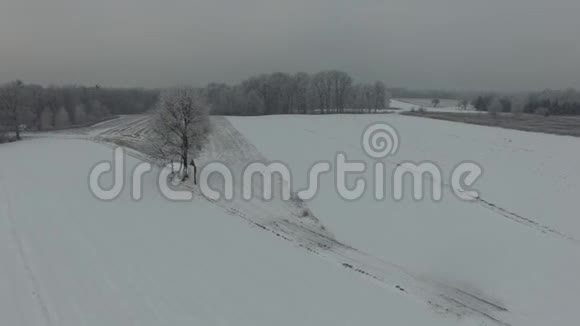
<point>305,212</point>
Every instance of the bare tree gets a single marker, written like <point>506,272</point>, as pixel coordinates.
<point>301,82</point>
<point>33,99</point>
<point>495,107</point>
<point>322,84</point>
<point>98,111</point>
<point>251,103</point>
<point>46,119</point>
<point>435,102</point>
<point>341,86</point>
<point>482,102</point>
<point>11,109</point>
<point>518,104</point>
<point>380,95</point>
<point>181,126</point>
<point>62,118</point>
<point>365,99</point>
<point>80,113</point>
<point>330,91</point>
<point>53,102</point>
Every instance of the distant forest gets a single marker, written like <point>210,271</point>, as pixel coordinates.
<point>547,102</point>
<point>35,107</point>
<point>301,93</point>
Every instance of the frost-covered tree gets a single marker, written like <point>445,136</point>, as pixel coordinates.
<point>506,104</point>
<point>33,99</point>
<point>322,89</point>
<point>252,103</point>
<point>301,82</point>
<point>11,109</point>
<point>380,95</point>
<point>330,91</point>
<point>46,119</point>
<point>365,98</point>
<point>181,126</point>
<point>518,105</point>
<point>98,111</point>
<point>62,118</point>
<point>341,86</point>
<point>80,113</point>
<point>482,103</point>
<point>495,107</point>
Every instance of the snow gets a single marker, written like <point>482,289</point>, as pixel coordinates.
<point>511,258</point>
<point>405,105</point>
<point>527,262</point>
<point>155,262</point>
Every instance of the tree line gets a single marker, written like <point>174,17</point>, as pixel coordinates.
<point>547,102</point>
<point>301,93</point>
<point>400,92</point>
<point>34,107</point>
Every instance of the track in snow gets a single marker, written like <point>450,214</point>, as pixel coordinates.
<point>283,219</point>
<point>495,208</point>
<point>29,272</point>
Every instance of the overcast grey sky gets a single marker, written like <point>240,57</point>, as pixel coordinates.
<point>467,44</point>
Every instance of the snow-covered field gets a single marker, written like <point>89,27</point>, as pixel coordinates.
<point>420,104</point>
<point>511,258</point>
<point>428,102</point>
<point>70,259</point>
<point>518,246</point>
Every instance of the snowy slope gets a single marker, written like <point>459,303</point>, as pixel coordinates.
<point>70,259</point>
<point>286,220</point>
<point>518,248</point>
<point>73,260</point>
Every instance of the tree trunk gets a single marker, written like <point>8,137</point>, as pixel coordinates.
<point>194,172</point>
<point>184,167</point>
<point>16,124</point>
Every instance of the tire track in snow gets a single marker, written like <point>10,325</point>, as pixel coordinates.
<point>493,207</point>
<point>524,220</point>
<point>316,240</point>
<point>23,257</point>
<point>443,298</point>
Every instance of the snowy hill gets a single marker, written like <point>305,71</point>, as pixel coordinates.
<point>516,247</point>
<point>72,259</point>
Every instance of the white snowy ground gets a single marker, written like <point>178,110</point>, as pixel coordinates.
<point>511,258</point>
<point>517,247</point>
<point>68,259</point>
